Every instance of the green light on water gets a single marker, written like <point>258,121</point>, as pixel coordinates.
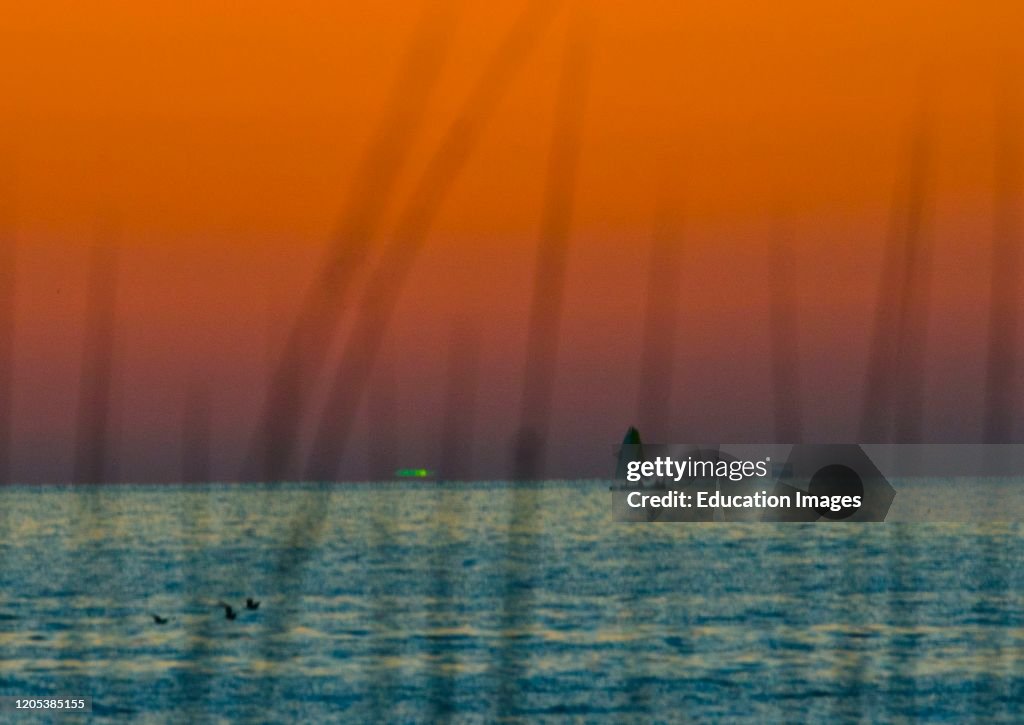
<point>412,473</point>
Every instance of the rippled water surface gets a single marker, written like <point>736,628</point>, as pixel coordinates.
<point>423,602</point>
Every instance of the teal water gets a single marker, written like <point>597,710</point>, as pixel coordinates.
<point>423,602</point>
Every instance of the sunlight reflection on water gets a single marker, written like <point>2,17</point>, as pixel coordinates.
<point>397,611</point>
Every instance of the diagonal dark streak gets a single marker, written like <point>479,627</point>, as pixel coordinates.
<point>274,443</point>
<point>389,275</point>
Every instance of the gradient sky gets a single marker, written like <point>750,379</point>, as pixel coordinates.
<point>223,139</point>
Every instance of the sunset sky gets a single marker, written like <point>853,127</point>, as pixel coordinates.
<point>222,141</point>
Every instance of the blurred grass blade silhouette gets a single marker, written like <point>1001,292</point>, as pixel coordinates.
<point>383,444</point>
<point>657,357</point>
<point>900,306</point>
<point>912,333</point>
<point>381,293</point>
<point>456,445</point>
<point>548,296</point>
<point>456,448</point>
<point>95,387</point>
<point>389,275</point>
<point>525,517</point>
<point>309,339</point>
<point>95,425</point>
<point>784,335</point>
<point>1005,284</point>
<point>195,434</point>
<point>8,309</point>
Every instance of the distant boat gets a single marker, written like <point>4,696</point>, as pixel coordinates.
<point>632,449</point>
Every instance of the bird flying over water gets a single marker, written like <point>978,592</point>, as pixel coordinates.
<point>157,619</point>
<point>229,612</point>
<point>251,603</point>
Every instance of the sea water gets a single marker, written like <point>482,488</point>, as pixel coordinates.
<point>471,602</point>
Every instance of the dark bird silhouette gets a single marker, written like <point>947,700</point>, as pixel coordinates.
<point>229,612</point>
<point>251,603</point>
<point>157,619</point>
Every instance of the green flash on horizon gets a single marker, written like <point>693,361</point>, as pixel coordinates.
<point>412,473</point>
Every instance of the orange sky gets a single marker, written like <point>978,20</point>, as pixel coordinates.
<point>223,137</point>
<point>207,120</point>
